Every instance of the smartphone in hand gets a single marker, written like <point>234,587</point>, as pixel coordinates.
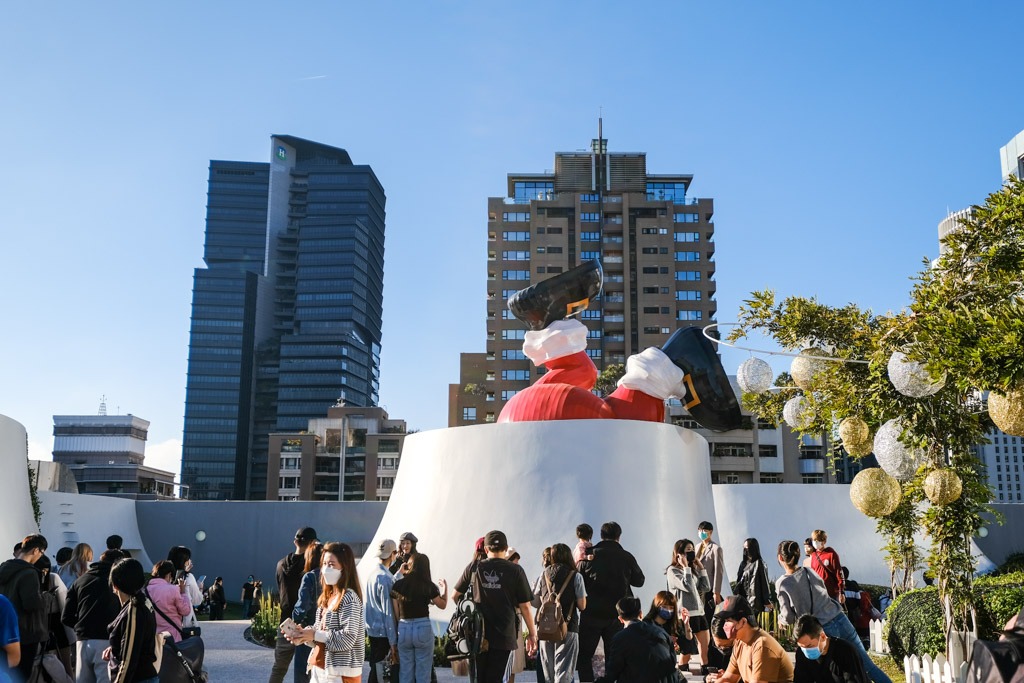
<point>290,628</point>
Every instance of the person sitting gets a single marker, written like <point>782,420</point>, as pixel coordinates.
<point>720,654</point>
<point>821,659</point>
<point>640,652</point>
<point>664,613</point>
<point>757,656</point>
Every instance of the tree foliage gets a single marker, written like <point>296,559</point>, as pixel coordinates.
<point>609,378</point>
<point>964,321</point>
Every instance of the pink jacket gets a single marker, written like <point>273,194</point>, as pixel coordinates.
<point>172,602</point>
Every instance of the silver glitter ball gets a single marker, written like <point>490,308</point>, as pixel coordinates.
<point>893,455</point>
<point>754,376</point>
<point>798,413</point>
<point>912,378</point>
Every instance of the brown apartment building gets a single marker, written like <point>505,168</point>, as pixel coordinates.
<point>656,243</point>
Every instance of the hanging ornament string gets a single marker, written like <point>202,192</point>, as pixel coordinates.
<point>775,353</point>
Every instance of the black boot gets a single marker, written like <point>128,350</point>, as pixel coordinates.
<point>558,297</point>
<point>709,396</point>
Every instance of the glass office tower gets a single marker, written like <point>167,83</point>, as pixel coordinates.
<point>286,317</point>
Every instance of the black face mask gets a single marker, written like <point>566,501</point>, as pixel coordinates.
<point>690,556</point>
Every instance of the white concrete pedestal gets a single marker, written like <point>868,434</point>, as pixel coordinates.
<point>537,480</point>
<point>16,521</point>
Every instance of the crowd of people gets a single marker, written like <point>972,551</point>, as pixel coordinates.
<point>76,619</point>
<point>583,598</point>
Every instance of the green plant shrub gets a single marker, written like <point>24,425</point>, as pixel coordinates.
<point>266,621</point>
<point>915,618</point>
<point>1014,563</point>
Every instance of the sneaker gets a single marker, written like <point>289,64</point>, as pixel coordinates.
<point>707,393</point>
<point>559,297</point>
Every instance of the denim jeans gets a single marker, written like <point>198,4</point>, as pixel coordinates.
<point>841,628</point>
<point>415,650</point>
<point>300,661</point>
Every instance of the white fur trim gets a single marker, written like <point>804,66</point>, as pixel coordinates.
<point>560,338</point>
<point>651,372</point>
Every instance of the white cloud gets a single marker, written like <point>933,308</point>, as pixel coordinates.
<point>165,455</point>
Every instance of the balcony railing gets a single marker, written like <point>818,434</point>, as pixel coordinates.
<point>541,197</point>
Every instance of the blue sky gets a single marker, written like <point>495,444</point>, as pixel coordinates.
<point>832,136</point>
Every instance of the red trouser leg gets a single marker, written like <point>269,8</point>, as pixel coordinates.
<point>576,369</point>
<point>630,404</point>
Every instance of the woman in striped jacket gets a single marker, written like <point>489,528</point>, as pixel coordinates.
<point>339,628</point>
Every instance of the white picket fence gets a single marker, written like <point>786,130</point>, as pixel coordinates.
<point>878,641</point>
<point>928,670</point>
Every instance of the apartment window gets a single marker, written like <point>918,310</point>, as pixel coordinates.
<point>507,394</point>
<point>688,296</point>
<point>589,255</point>
<point>688,275</point>
<point>650,290</point>
<point>515,275</point>
<point>516,236</point>
<point>595,354</point>
<point>489,417</point>
<point>513,354</point>
<point>665,330</point>
<point>541,269</point>
<point>685,218</point>
<point>554,250</point>
<point>490,396</point>
<point>687,237</point>
<point>771,478</point>
<point>673,192</point>
<point>469,413</point>
<point>689,315</point>
<point>650,309</point>
<point>515,375</point>
<point>732,478</point>
<point>513,334</point>
<point>385,482</point>
<point>651,330</point>
<point>590,314</point>
<point>554,269</point>
<point>654,231</point>
<point>768,451</point>
<point>589,217</point>
<point>687,256</point>
<point>650,270</point>
<point>288,482</point>
<point>516,255</point>
<point>552,231</point>
<point>588,198</point>
<point>534,190</point>
<point>732,450</point>
<point>516,216</point>
<point>650,250</point>
<point>590,236</point>
<point>813,478</point>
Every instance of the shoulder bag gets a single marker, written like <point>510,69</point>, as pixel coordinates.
<point>189,652</point>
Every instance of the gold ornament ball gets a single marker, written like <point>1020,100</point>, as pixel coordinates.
<point>854,432</point>
<point>942,487</point>
<point>1008,411</point>
<point>804,369</point>
<point>875,493</point>
<point>859,450</point>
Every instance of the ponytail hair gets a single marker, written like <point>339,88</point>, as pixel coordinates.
<point>789,551</point>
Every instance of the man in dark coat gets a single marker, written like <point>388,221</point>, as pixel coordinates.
<point>89,609</point>
<point>289,577</point>
<point>640,652</point>
<point>20,583</point>
<point>608,577</point>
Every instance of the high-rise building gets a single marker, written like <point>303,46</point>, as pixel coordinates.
<point>352,454</point>
<point>107,453</point>
<point>654,240</point>
<point>1011,157</point>
<point>286,315</point>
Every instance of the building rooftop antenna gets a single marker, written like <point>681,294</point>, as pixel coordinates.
<point>103,405</point>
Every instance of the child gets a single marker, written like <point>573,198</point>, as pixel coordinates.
<point>583,549</point>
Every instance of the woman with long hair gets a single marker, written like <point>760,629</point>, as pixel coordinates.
<point>752,578</point>
<point>801,591</point>
<point>338,630</point>
<point>558,660</point>
<point>170,602</point>
<point>81,558</point>
<point>131,656</point>
<point>412,596</point>
<point>666,615</point>
<point>305,606</point>
<point>181,557</point>
<point>688,580</point>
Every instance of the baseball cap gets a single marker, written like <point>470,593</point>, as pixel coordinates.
<point>480,544</point>
<point>496,540</point>
<point>306,533</point>
<point>736,607</point>
<point>386,547</point>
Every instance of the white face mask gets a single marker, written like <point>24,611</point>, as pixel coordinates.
<point>819,545</point>
<point>331,575</point>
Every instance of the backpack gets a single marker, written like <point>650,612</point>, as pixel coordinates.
<point>551,623</point>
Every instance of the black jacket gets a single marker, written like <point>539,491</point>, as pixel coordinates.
<point>608,577</point>
<point>289,578</point>
<point>91,604</point>
<point>753,584</point>
<point>20,583</point>
<point>133,644</point>
<point>640,653</point>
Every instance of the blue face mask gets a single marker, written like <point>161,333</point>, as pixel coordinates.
<point>704,535</point>
<point>811,653</point>
<point>665,613</point>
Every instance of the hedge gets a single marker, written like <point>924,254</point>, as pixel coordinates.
<point>915,618</point>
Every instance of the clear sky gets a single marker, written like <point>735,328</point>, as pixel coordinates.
<point>832,136</point>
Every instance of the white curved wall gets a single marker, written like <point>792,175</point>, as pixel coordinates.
<point>16,519</point>
<point>537,480</point>
<point>72,518</point>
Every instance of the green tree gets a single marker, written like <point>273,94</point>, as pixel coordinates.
<point>964,322</point>
<point>609,377</point>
